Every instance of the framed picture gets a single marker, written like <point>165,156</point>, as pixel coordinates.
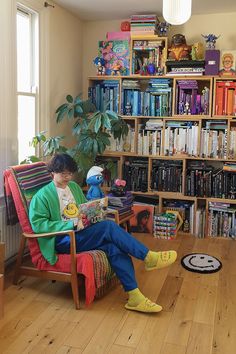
<point>142,221</point>
<point>228,63</point>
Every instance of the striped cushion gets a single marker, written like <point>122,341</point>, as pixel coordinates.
<point>31,178</point>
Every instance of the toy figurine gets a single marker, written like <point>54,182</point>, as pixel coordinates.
<point>181,107</point>
<point>94,180</point>
<point>100,64</point>
<point>128,109</point>
<point>116,68</point>
<point>119,187</point>
<point>187,108</point>
<point>179,49</point>
<point>162,28</point>
<point>210,40</point>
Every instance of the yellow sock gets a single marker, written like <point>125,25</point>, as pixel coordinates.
<point>158,260</point>
<point>135,297</point>
<point>138,302</point>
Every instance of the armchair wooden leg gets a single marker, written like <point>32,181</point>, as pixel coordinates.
<point>75,290</point>
<point>19,260</point>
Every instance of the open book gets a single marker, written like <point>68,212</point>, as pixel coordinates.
<point>91,212</point>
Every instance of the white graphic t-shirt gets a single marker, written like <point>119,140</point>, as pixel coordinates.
<point>68,207</point>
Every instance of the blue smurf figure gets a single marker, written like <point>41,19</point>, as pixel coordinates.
<point>94,180</point>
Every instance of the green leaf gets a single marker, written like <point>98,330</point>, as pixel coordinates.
<point>97,124</point>
<point>112,114</point>
<point>106,121</point>
<point>71,113</point>
<point>61,107</point>
<point>62,113</point>
<point>78,99</point>
<point>78,108</point>
<point>69,98</point>
<point>95,147</point>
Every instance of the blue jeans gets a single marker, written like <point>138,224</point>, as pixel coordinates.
<point>118,245</point>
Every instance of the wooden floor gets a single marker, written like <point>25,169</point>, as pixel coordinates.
<point>199,315</point>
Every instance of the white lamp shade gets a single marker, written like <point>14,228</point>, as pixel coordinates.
<point>177,12</point>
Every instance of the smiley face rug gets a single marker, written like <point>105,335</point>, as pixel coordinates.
<point>201,263</point>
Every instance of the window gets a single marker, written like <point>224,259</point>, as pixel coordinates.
<point>27,78</point>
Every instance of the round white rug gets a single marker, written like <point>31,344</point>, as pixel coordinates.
<point>201,263</point>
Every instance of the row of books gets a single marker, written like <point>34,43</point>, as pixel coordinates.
<point>191,99</point>
<point>213,143</point>
<point>221,219</point>
<point>166,176</point>
<point>105,95</point>
<point>125,144</point>
<point>207,181</point>
<point>135,173</point>
<point>225,102</point>
<point>232,143</point>
<point>156,100</point>
<point>149,141</point>
<point>181,138</point>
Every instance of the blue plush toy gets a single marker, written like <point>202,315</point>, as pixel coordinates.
<point>94,180</point>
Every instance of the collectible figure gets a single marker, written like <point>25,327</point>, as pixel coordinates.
<point>100,64</point>
<point>210,40</point>
<point>198,49</point>
<point>128,109</point>
<point>119,188</point>
<point>94,180</point>
<point>116,68</point>
<point>179,49</point>
<point>162,28</point>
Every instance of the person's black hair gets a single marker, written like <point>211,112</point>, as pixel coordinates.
<point>62,162</point>
<point>143,214</point>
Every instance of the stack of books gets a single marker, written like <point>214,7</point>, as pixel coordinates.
<point>143,24</point>
<point>165,226</point>
<point>123,205</point>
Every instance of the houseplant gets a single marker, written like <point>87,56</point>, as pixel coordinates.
<point>92,129</point>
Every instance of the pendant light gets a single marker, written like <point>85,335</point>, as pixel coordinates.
<point>177,12</point>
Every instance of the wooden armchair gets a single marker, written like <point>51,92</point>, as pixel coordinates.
<point>21,183</point>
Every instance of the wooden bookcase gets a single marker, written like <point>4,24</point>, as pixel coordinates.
<point>186,144</point>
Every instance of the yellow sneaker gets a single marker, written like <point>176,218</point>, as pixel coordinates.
<point>158,260</point>
<point>146,306</point>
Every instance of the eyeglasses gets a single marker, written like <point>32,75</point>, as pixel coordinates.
<point>66,174</point>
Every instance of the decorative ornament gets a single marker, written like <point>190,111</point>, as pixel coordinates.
<point>125,26</point>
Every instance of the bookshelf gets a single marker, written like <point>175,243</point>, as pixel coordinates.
<point>176,151</point>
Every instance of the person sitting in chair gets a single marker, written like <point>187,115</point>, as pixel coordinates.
<point>47,213</point>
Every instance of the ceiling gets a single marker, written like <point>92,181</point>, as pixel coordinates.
<point>92,10</point>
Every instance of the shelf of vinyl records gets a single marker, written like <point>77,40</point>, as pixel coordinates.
<point>181,146</point>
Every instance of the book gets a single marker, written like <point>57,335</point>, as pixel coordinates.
<point>115,53</point>
<point>142,220</point>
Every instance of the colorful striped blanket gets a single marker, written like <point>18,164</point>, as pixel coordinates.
<point>20,184</point>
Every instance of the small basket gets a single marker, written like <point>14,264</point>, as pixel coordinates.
<point>166,225</point>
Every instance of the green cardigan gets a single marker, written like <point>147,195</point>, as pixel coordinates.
<point>45,216</point>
